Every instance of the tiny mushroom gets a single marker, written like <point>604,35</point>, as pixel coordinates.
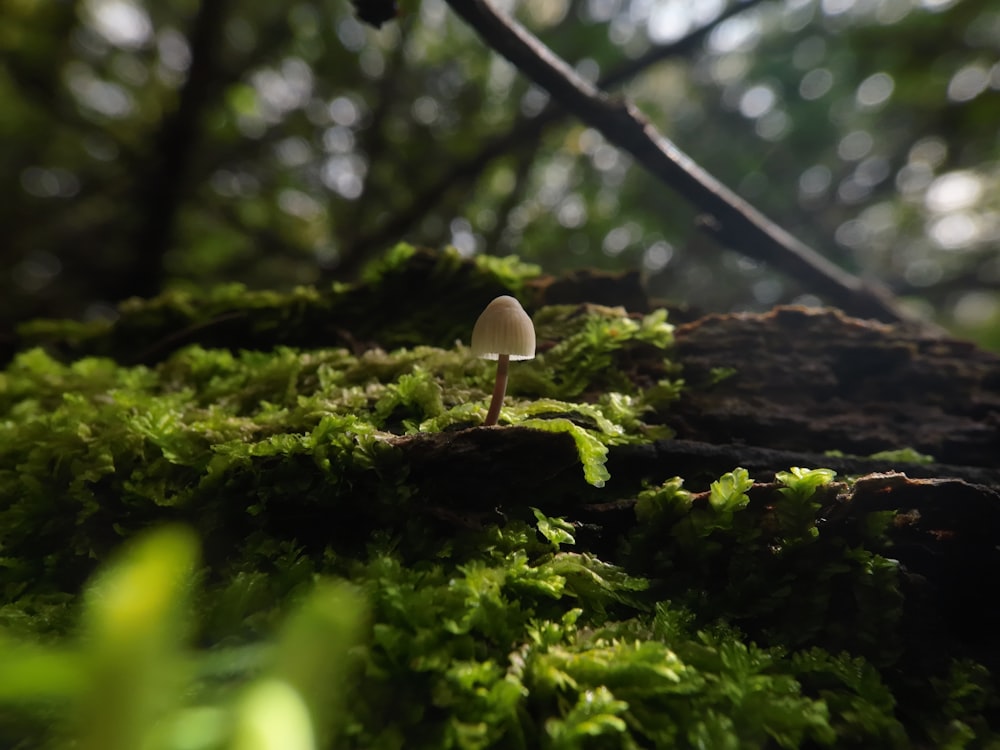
<point>503,332</point>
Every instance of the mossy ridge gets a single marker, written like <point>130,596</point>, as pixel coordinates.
<point>236,442</point>
<point>511,639</point>
<point>413,296</point>
<point>760,556</point>
<point>797,563</point>
<point>499,637</point>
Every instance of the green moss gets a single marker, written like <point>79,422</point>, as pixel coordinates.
<point>898,455</point>
<point>411,297</point>
<point>767,564</point>
<point>706,623</point>
<point>517,646</point>
<point>588,345</point>
<point>903,455</point>
<point>91,450</point>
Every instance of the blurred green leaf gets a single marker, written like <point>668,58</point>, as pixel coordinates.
<point>312,657</point>
<point>556,530</point>
<point>134,628</point>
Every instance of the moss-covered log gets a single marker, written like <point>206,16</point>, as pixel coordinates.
<point>633,558</point>
<point>810,380</point>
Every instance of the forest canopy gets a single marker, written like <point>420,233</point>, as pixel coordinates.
<point>150,146</point>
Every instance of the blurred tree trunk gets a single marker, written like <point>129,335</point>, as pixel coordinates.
<point>163,184</point>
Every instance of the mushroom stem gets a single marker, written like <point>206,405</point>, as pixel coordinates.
<point>499,389</point>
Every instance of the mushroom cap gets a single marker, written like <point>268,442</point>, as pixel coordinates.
<point>504,328</point>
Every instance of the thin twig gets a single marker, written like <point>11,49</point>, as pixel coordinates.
<point>730,219</point>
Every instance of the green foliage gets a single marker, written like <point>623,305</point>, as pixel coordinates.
<point>596,713</point>
<point>507,642</point>
<point>133,630</point>
<point>862,708</point>
<point>556,530</point>
<point>898,455</point>
<point>967,695</point>
<point>509,270</point>
<point>125,682</point>
<point>800,484</point>
<point>718,374</point>
<point>593,452</point>
<point>766,564</point>
<point>725,618</point>
<point>657,681</point>
<point>669,499</point>
<point>94,445</point>
<point>903,455</point>
<point>585,355</point>
<point>796,517</point>
<point>726,497</point>
<point>271,716</point>
<point>728,493</point>
<point>398,299</point>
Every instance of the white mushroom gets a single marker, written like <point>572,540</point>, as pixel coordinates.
<point>503,332</point>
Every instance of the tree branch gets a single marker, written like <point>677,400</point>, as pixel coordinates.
<point>525,134</point>
<point>728,218</point>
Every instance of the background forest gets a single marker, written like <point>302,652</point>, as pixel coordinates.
<point>179,144</point>
<point>238,520</point>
